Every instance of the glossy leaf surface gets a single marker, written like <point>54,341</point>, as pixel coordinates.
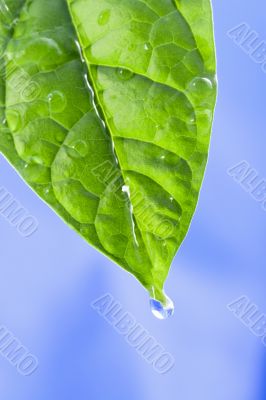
<point>106,110</point>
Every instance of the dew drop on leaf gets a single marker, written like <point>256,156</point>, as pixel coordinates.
<point>47,190</point>
<point>104,17</point>
<point>81,147</point>
<point>15,120</point>
<point>59,136</point>
<point>37,160</point>
<point>78,149</point>
<point>124,74</point>
<point>57,102</point>
<point>147,46</point>
<point>201,85</point>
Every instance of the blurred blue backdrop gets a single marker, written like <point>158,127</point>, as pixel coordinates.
<point>49,280</point>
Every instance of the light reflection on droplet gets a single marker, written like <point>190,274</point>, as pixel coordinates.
<point>147,46</point>
<point>201,86</point>
<point>57,101</point>
<point>124,74</point>
<point>104,17</point>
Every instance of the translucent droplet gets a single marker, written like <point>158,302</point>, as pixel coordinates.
<point>162,309</point>
<point>124,74</point>
<point>60,136</point>
<point>191,119</point>
<point>80,148</point>
<point>15,120</point>
<point>85,230</point>
<point>147,46</point>
<point>37,160</point>
<point>201,86</point>
<point>20,145</point>
<point>47,190</point>
<point>204,116</point>
<point>104,17</point>
<point>57,102</point>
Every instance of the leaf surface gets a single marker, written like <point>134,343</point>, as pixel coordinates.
<point>106,112</point>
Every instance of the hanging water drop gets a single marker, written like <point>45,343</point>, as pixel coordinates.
<point>162,310</point>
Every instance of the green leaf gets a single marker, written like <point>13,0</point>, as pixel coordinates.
<point>106,110</point>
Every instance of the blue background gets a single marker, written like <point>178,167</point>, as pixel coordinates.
<point>49,280</point>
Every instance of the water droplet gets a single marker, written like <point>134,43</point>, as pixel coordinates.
<point>20,145</point>
<point>162,310</point>
<point>37,160</point>
<point>147,46</point>
<point>191,119</point>
<point>15,120</point>
<point>201,86</point>
<point>47,190</point>
<point>124,74</point>
<point>204,116</point>
<point>60,136</point>
<point>57,102</point>
<point>84,230</point>
<point>78,149</point>
<point>104,17</point>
